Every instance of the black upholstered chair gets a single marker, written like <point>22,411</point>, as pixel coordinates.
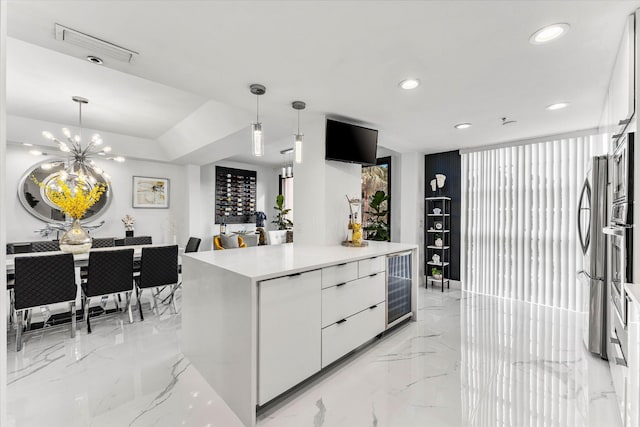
<point>108,273</point>
<point>103,242</point>
<point>19,248</point>
<point>138,240</point>
<point>45,246</point>
<point>192,245</point>
<point>40,281</point>
<point>158,268</point>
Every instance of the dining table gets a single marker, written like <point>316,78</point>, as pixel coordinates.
<point>82,260</point>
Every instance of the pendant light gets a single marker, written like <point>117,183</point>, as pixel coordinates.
<point>297,146</point>
<point>257,140</point>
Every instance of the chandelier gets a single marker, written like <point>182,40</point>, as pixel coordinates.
<point>82,166</point>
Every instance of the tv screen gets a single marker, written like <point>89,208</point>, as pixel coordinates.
<point>351,143</point>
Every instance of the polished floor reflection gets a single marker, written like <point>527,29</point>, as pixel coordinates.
<point>469,361</point>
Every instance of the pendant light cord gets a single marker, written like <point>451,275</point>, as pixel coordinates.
<point>257,109</point>
<point>298,122</point>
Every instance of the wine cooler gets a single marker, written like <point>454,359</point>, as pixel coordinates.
<point>398,287</point>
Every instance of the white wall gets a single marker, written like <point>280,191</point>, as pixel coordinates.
<point>321,210</point>
<point>411,198</point>
<point>266,193</point>
<point>161,224</point>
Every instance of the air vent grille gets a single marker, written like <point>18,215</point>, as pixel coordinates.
<point>94,45</point>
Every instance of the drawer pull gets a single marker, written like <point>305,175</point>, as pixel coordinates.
<point>616,136</point>
<point>341,321</point>
<point>624,122</point>
<point>614,340</point>
<point>373,306</point>
<point>341,284</point>
<point>373,257</point>
<point>373,275</point>
<point>620,361</point>
<point>295,275</point>
<point>341,265</point>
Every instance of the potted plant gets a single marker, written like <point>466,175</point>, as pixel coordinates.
<point>281,220</point>
<point>436,273</point>
<point>438,240</point>
<point>378,228</point>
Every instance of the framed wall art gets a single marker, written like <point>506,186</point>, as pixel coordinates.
<point>150,192</point>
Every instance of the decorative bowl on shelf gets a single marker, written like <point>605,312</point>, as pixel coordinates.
<point>437,276</point>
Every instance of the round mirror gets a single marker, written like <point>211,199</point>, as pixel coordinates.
<point>34,198</point>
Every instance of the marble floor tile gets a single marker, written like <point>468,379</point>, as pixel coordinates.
<point>468,361</point>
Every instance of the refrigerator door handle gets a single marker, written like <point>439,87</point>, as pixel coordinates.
<point>584,240</point>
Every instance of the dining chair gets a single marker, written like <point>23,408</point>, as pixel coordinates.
<point>193,244</point>
<point>108,273</point>
<point>158,268</point>
<point>19,248</point>
<point>138,240</point>
<point>103,242</point>
<point>45,246</point>
<point>40,281</point>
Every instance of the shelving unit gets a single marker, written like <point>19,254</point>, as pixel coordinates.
<point>432,234</point>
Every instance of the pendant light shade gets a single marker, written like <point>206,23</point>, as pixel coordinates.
<point>257,143</point>
<point>297,146</point>
<point>257,139</point>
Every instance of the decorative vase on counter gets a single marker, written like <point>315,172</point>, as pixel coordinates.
<point>76,240</point>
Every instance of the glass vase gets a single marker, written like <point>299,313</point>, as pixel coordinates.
<point>76,240</point>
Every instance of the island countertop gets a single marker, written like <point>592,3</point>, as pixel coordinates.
<point>266,262</point>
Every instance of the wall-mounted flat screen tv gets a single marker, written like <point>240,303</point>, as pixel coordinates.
<point>350,143</point>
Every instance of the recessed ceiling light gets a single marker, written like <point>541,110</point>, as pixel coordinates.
<point>549,33</point>
<point>462,126</point>
<point>95,60</point>
<point>35,152</point>
<point>409,84</point>
<point>557,106</point>
<point>26,144</point>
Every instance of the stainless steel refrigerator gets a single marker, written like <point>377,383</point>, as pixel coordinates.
<point>592,217</point>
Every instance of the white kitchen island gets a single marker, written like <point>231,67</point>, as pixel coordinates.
<point>258,321</point>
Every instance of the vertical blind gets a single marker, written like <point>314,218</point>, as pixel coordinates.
<point>519,219</point>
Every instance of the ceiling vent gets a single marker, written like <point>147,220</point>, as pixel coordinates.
<point>96,47</point>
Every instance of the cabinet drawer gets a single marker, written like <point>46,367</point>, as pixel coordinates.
<point>289,337</point>
<point>340,273</point>
<point>371,265</point>
<point>342,301</point>
<point>340,338</point>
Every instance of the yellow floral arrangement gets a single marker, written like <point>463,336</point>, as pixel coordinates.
<point>73,202</point>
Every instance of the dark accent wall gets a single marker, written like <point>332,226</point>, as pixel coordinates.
<point>448,163</point>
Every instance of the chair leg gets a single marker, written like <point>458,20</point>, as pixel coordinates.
<point>87,321</point>
<point>128,294</point>
<point>73,319</point>
<point>173,298</point>
<point>28,319</point>
<point>12,307</point>
<point>19,323</point>
<point>155,302</point>
<point>139,295</point>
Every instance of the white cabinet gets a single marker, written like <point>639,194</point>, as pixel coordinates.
<point>289,332</point>
<point>370,266</point>
<point>337,274</point>
<point>619,104</point>
<point>353,312</point>
<point>632,404</point>
<point>348,334</point>
<point>341,301</point>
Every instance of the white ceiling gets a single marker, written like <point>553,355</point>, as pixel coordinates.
<point>343,58</point>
